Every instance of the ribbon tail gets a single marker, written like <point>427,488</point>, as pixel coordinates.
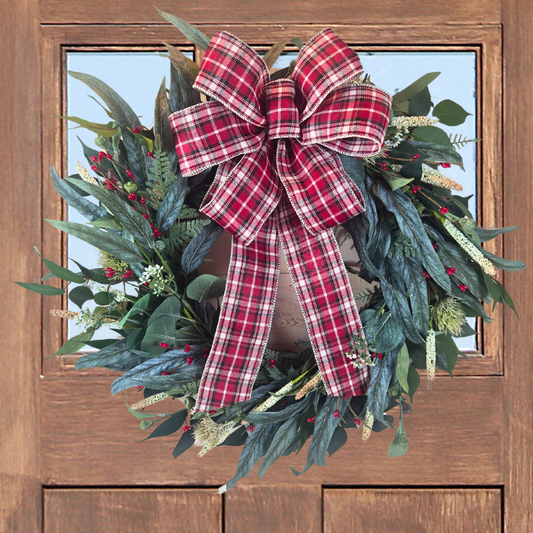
<point>245,320</point>
<point>326,298</point>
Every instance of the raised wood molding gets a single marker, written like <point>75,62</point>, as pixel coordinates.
<point>484,40</point>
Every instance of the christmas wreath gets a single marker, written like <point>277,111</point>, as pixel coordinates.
<point>279,156</point>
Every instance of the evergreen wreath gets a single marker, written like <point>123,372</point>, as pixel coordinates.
<point>418,245</point>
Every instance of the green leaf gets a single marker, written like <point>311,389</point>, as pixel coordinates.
<point>95,274</point>
<point>338,440</point>
<point>414,88</point>
<point>45,290</point>
<point>508,300</point>
<point>108,222</point>
<point>380,377</point>
<point>438,152</point>
<point>171,205</point>
<point>432,135</point>
<point>489,234</point>
<point>383,331</point>
<point>75,343</point>
<point>270,417</point>
<point>255,447</point>
<point>197,249</point>
<point>416,285</point>
<point>89,210</point>
<point>413,381</point>
<point>450,113</point>
<point>282,439</point>
<point>162,124</point>
<point>186,441</point>
<point>412,227</point>
<point>274,52</point>
<point>116,356</point>
<point>80,295</point>
<point>108,242</point>
<point>126,119</point>
<point>138,226</point>
<point>353,166</point>
<point>181,93</point>
<point>501,263</point>
<point>193,34</point>
<point>205,287</point>
<point>395,180</point>
<point>169,426</point>
<point>103,130</point>
<point>141,416</point>
<point>402,368</point>
<point>103,298</point>
<point>139,306</point>
<point>399,444</point>
<point>493,287</point>
<point>162,326</point>
<point>420,103</point>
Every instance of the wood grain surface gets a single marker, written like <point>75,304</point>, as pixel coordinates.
<point>412,510</point>
<point>456,434</point>
<point>274,508</point>
<point>132,510</point>
<point>258,12</point>
<point>517,209</point>
<point>20,223</point>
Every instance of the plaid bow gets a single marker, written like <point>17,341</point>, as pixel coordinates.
<point>280,180</point>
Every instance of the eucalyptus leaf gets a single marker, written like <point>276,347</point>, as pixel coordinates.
<point>138,226</point>
<point>45,290</point>
<point>450,113</point>
<point>108,242</point>
<point>86,208</point>
<point>80,295</point>
<point>420,103</point>
<point>199,246</point>
<point>432,135</point>
<point>193,34</point>
<point>413,380</point>
<point>169,426</point>
<point>139,306</point>
<point>402,368</point>
<point>76,343</point>
<point>205,287</point>
<point>399,444</point>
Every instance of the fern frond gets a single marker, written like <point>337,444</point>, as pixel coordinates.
<point>182,233</point>
<point>160,175</point>
<point>461,140</point>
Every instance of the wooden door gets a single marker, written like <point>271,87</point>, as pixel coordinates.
<point>69,459</point>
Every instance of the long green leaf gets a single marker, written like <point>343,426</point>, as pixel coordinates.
<point>138,226</point>
<point>414,88</point>
<point>283,437</point>
<point>171,205</point>
<point>59,271</point>
<point>205,287</point>
<point>193,34</point>
<point>103,240</point>
<point>412,227</point>
<point>197,249</point>
<point>45,290</point>
<point>89,210</point>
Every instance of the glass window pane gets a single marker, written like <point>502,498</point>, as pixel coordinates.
<point>136,76</point>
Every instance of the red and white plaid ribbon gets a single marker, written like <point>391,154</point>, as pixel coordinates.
<point>280,179</point>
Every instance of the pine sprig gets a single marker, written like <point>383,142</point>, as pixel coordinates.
<point>461,140</point>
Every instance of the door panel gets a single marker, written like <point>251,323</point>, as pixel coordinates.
<point>412,511</point>
<point>132,510</point>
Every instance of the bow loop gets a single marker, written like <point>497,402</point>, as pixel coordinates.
<point>234,74</point>
<point>324,64</point>
<point>281,111</point>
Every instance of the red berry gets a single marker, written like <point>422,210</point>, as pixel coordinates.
<point>357,422</point>
<point>94,158</point>
<point>108,269</point>
<point>463,287</point>
<point>450,270</point>
<point>435,246</point>
<point>190,360</point>
<point>139,387</point>
<point>212,412</point>
<point>143,200</point>
<point>146,283</point>
<point>188,346</point>
<point>336,413</point>
<point>136,130</point>
<point>165,373</point>
<point>443,210</point>
<point>383,166</point>
<point>132,197</point>
<point>426,275</point>
<point>206,349</point>
<point>385,154</point>
<point>109,156</point>
<point>151,155</point>
<point>251,428</point>
<point>163,345</point>
<point>380,356</point>
<point>130,174</point>
<point>186,428</point>
<point>134,208</point>
<point>110,274</point>
<point>110,186</point>
<point>206,355</point>
<point>145,216</point>
<point>416,156</point>
<point>95,168</point>
<point>311,419</point>
<point>445,165</point>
